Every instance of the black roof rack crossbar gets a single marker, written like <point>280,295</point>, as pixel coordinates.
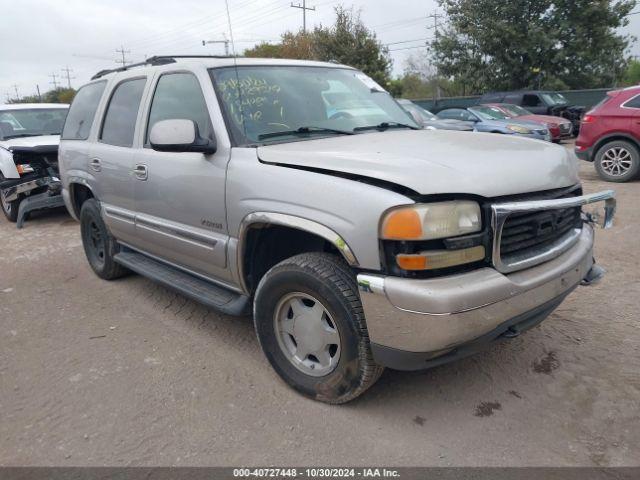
<point>155,60</point>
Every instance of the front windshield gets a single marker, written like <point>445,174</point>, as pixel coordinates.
<point>314,100</point>
<point>516,110</point>
<point>554,98</point>
<point>31,122</point>
<point>489,113</point>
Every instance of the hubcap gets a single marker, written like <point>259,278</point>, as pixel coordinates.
<point>5,205</point>
<point>307,335</point>
<point>616,161</point>
<point>97,241</point>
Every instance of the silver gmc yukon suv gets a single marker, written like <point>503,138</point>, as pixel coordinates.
<point>303,193</point>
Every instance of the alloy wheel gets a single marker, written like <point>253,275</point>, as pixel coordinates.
<point>616,161</point>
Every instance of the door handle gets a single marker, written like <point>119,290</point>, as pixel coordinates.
<point>141,172</point>
<point>95,164</point>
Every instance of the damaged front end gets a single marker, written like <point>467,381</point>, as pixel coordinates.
<point>33,185</point>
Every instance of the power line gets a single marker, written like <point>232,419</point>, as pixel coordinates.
<point>54,81</point>
<point>123,52</point>
<point>407,41</point>
<point>304,9</point>
<point>408,48</point>
<point>68,76</point>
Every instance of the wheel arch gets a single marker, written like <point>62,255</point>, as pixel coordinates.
<point>612,137</point>
<point>79,192</point>
<point>258,248</point>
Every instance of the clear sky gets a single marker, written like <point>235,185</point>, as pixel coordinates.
<point>41,37</point>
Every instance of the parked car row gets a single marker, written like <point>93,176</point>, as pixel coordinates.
<point>607,135</point>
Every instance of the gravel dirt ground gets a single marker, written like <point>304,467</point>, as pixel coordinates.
<point>130,373</point>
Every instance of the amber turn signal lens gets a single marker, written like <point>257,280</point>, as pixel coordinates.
<point>436,259</point>
<point>402,225</point>
<point>412,262</point>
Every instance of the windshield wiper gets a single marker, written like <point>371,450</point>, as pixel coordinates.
<point>303,131</point>
<point>384,126</point>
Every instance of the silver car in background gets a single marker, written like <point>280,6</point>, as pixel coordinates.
<point>493,120</point>
<point>429,120</point>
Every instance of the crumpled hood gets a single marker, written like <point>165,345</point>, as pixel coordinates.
<point>437,161</point>
<point>31,141</point>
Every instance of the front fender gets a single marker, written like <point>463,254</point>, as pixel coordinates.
<point>7,165</point>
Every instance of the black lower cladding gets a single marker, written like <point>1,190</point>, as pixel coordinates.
<point>404,360</point>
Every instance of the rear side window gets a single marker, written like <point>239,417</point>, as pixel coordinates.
<point>179,96</point>
<point>83,109</point>
<point>633,103</point>
<point>531,101</point>
<point>120,120</point>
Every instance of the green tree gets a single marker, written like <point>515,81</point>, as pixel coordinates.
<point>347,41</point>
<point>59,95</point>
<point>632,75</point>
<point>491,45</point>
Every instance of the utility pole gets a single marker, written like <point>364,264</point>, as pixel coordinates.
<point>38,90</point>
<point>15,89</point>
<point>54,80</point>
<point>225,41</point>
<point>304,9</point>
<point>68,72</point>
<point>123,52</point>
<point>435,17</point>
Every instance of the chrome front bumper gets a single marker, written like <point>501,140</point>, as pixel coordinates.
<point>436,315</point>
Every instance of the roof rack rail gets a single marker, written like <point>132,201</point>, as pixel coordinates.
<point>155,60</point>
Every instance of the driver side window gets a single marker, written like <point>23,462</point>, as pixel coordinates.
<point>179,96</point>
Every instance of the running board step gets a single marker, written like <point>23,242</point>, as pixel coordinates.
<point>207,293</point>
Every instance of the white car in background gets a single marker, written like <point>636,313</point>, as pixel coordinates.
<point>29,138</point>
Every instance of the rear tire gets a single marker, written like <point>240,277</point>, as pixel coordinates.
<point>99,246</point>
<point>618,161</point>
<point>10,209</point>
<point>311,327</point>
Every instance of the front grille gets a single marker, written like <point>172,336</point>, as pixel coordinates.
<point>530,231</point>
<point>526,236</point>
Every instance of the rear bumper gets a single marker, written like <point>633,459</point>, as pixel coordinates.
<point>585,154</point>
<point>412,322</point>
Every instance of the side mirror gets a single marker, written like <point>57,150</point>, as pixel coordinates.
<point>179,135</point>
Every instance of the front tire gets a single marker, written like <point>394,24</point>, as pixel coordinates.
<point>311,327</point>
<point>99,246</point>
<point>10,209</point>
<point>618,161</point>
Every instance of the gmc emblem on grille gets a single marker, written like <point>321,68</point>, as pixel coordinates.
<point>546,225</point>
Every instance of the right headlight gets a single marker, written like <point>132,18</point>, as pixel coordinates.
<point>432,221</point>
<point>519,129</point>
<point>429,221</point>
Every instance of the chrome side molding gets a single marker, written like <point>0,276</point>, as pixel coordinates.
<point>501,211</point>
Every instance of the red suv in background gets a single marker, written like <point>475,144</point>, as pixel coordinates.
<point>610,135</point>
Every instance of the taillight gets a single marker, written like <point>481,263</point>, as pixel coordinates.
<point>589,119</point>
